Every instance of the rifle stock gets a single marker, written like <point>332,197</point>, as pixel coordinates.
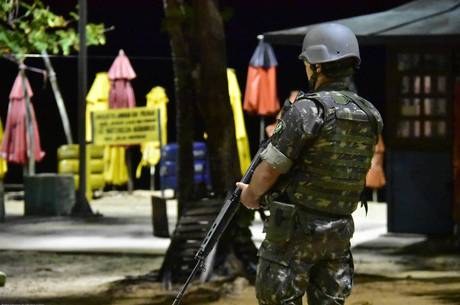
<point>225,216</point>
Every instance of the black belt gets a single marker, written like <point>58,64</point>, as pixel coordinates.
<point>321,213</point>
<point>285,199</point>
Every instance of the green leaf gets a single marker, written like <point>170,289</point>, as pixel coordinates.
<point>67,39</point>
<point>37,28</point>
<point>74,16</point>
<point>95,34</point>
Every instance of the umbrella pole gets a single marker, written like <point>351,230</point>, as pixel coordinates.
<point>129,166</point>
<point>29,128</point>
<point>160,139</point>
<point>2,201</point>
<point>152,177</point>
<point>261,129</point>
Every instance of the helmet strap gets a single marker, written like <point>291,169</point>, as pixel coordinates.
<point>314,77</point>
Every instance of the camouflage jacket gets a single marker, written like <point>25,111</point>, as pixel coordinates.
<point>323,145</point>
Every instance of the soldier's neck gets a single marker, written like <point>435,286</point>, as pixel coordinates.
<point>332,84</point>
<point>322,80</point>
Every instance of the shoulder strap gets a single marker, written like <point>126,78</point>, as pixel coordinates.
<point>327,105</point>
<point>358,101</point>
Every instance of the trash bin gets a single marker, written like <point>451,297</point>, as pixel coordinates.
<point>159,217</point>
<point>49,194</point>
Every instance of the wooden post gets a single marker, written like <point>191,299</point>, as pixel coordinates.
<point>129,165</point>
<point>29,125</point>
<point>2,201</point>
<point>82,208</point>
<point>261,129</point>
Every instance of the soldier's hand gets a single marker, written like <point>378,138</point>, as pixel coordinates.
<point>248,198</point>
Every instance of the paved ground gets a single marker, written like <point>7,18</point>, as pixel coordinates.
<point>126,227</point>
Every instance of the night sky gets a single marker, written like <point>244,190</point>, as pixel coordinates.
<point>138,31</point>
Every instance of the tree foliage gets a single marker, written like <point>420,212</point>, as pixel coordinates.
<point>28,28</point>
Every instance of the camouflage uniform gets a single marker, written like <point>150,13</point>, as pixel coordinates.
<point>323,144</point>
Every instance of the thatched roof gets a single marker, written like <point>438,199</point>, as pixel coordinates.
<point>420,21</point>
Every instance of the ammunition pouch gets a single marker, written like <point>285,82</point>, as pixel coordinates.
<point>281,223</point>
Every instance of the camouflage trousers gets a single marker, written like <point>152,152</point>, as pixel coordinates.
<point>315,260</point>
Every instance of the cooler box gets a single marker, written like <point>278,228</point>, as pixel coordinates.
<point>168,163</point>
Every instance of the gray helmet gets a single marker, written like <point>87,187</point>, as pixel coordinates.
<point>329,42</point>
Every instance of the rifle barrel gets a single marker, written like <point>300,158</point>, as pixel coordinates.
<point>221,222</point>
<point>179,296</point>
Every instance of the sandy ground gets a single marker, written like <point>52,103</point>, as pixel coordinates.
<point>424,273</point>
<point>385,278</point>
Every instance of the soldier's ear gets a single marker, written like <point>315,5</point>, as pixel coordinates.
<point>319,68</point>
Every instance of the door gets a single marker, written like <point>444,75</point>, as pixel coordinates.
<point>456,149</point>
<point>419,137</point>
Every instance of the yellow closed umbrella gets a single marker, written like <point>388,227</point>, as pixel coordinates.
<point>115,169</point>
<point>158,99</point>
<point>3,164</point>
<point>151,151</point>
<point>240,128</point>
<point>97,99</point>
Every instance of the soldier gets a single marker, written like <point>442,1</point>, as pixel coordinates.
<point>312,176</point>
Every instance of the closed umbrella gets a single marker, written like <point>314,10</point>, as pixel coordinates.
<point>121,95</point>
<point>151,151</point>
<point>3,164</point>
<point>261,95</point>
<point>14,143</point>
<point>120,74</point>
<point>240,128</point>
<point>97,99</point>
<point>375,177</point>
<point>115,170</point>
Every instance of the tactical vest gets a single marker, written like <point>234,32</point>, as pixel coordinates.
<point>329,175</point>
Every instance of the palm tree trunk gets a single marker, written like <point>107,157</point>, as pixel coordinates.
<point>185,100</point>
<point>213,99</point>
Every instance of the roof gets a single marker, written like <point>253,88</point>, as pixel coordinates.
<point>433,20</point>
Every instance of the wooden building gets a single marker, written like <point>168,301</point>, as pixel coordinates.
<point>421,111</point>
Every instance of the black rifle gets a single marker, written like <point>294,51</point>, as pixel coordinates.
<point>226,214</point>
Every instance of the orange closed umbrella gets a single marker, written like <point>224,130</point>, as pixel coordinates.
<point>375,176</point>
<point>261,95</point>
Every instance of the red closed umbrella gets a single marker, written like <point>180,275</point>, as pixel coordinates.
<point>120,74</point>
<point>14,144</point>
<point>121,95</point>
